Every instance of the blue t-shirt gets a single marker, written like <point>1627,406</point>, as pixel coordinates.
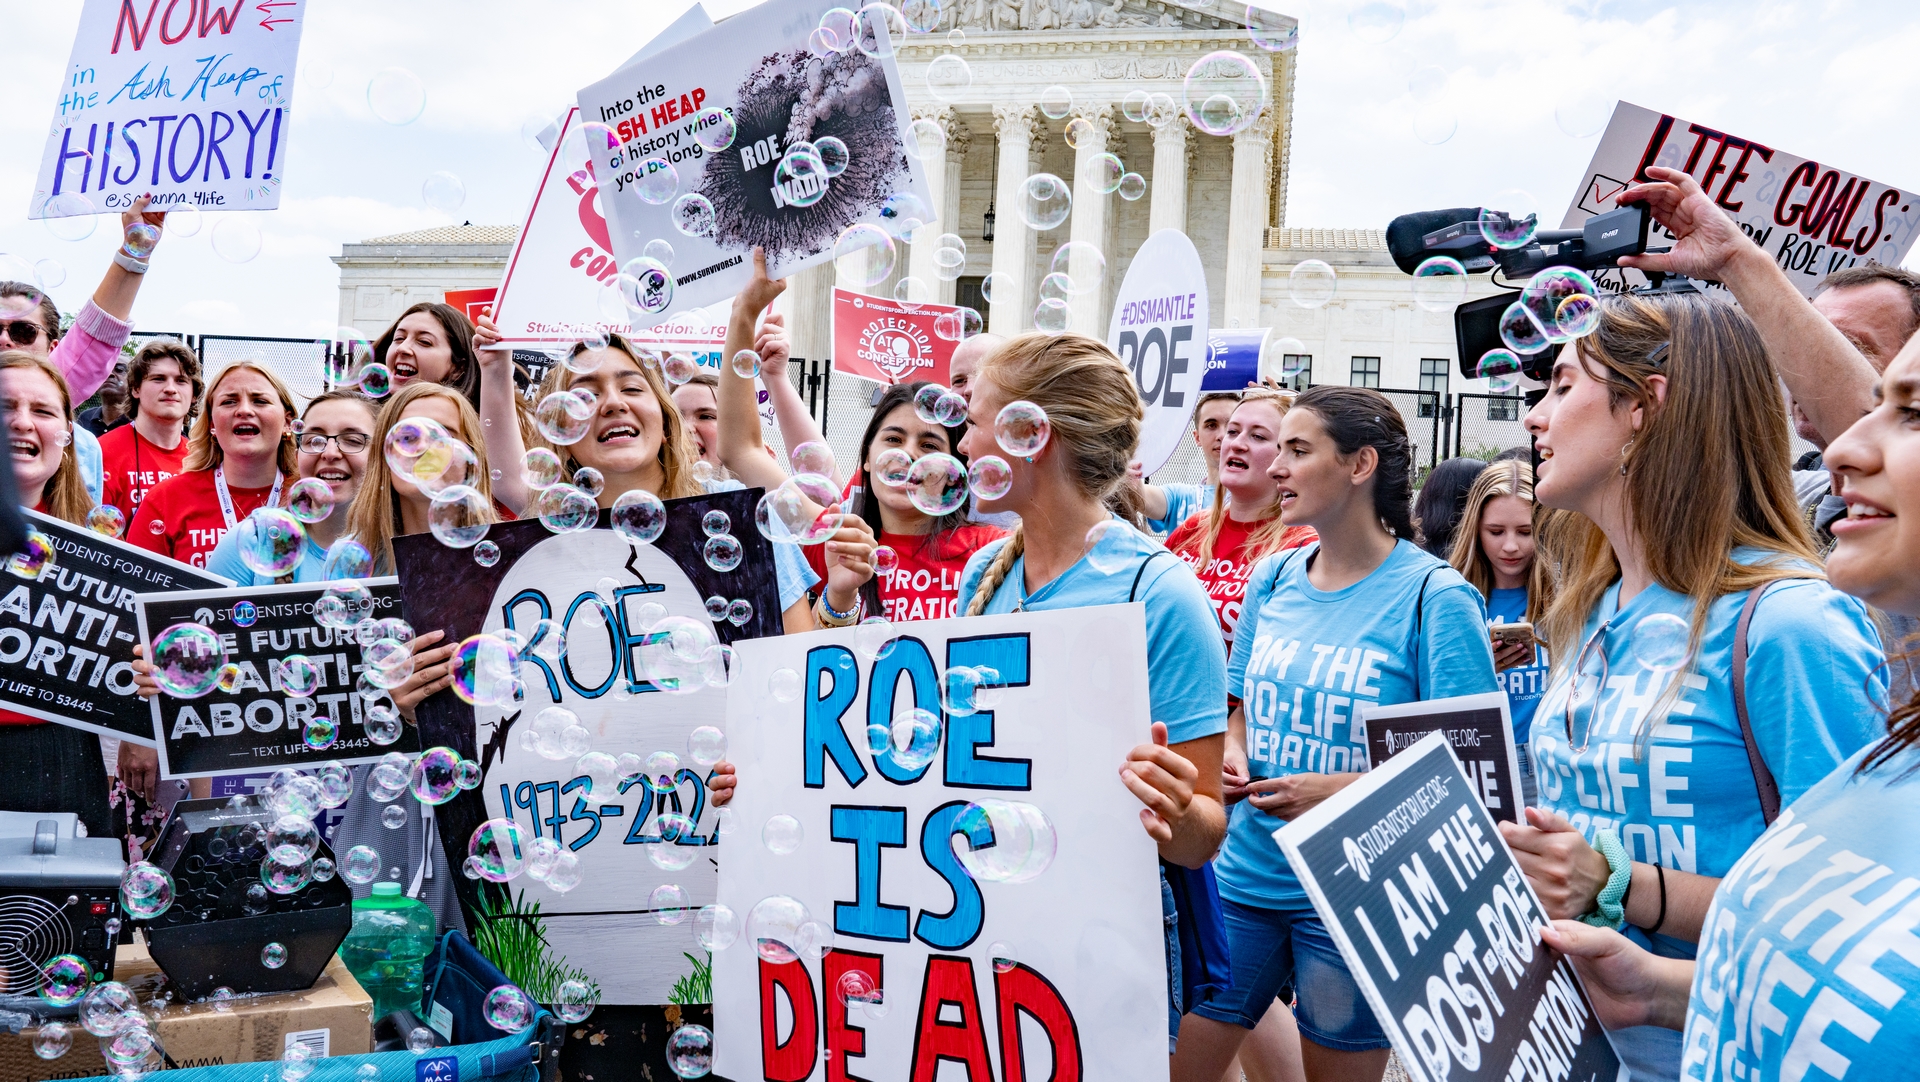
<point>1306,659</point>
<point>1681,792</point>
<point>789,566</point>
<point>1183,501</point>
<point>1809,963</point>
<point>1523,684</point>
<point>225,561</point>
<point>86,455</point>
<point>1186,662</point>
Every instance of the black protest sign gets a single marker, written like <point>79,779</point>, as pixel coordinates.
<point>260,727</point>
<point>596,584</point>
<point>1441,930</point>
<point>1480,731</point>
<point>67,637</point>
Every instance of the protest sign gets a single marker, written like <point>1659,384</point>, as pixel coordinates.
<point>1477,726</point>
<point>67,637</point>
<point>189,102</point>
<point>1159,330</point>
<point>1233,359</point>
<point>887,342</point>
<point>1031,970</point>
<point>1811,217</point>
<point>596,584</point>
<point>667,173</point>
<point>1441,930</point>
<point>260,726</point>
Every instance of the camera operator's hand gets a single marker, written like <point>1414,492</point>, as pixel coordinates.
<point>1706,240</point>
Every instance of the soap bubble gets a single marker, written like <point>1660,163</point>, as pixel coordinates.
<point>800,177</point>
<point>1051,316</point>
<point>716,522</point>
<point>804,510</point>
<point>499,849</point>
<point>320,733</point>
<point>187,659</point>
<point>396,96</point>
<point>1132,187</point>
<point>39,557</point>
<point>773,926</point>
<point>1103,173</point>
<point>716,927</point>
<point>64,980</point>
<point>706,745</point>
<point>655,180</point>
<point>343,604</point>
<point>891,466</point>
<point>926,402</point>
<point>937,484</point>
<point>285,869</point>
<point>146,890</point>
<point>950,409</point>
<point>911,293</point>
<point>486,554</point>
<point>1510,220</point>
<point>1003,957</point>
<point>52,1040</point>
<point>299,676</point>
<point>323,870</point>
<point>1019,841</point>
<point>1223,93</point>
<point>1110,546</point>
<point>236,240</point>
<point>1021,429</point>
<point>947,76</point>
<point>1272,31</point>
<point>273,955</point>
<point>739,611</point>
<point>590,481</point>
<point>435,776</point>
<point>1312,283</point>
<point>563,418</point>
<point>108,1008</point>
<point>991,477</point>
<point>746,364</point>
<point>309,500</point>
<point>833,154</point>
<point>347,558</point>
<point>1045,201</point>
<point>784,685</point>
<point>690,1051</point>
<point>679,368</point>
<point>574,1000</point>
<point>1439,283</point>
<point>362,864</point>
<point>1660,642</point>
<point>863,255</point>
<point>383,724</point>
<point>714,128</point>
<point>914,738</point>
<point>1577,316</point>
<point>1056,102</point>
<point>443,192</point>
<point>485,670</point>
<point>509,1010</point>
<point>669,903</point>
<point>639,516</point>
<point>722,552</point>
<point>855,986</point>
<point>270,540</point>
<point>566,509</point>
<point>692,216</point>
<point>419,1040</point>
<point>459,517</point>
<point>1083,265</point>
<point>107,521</point>
<point>1520,331</point>
<point>958,325</point>
<point>782,834</point>
<point>1546,292</point>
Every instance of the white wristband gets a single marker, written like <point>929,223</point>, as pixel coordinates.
<point>127,263</point>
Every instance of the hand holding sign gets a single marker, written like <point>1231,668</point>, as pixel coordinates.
<point>1565,871</point>
<point>1628,985</point>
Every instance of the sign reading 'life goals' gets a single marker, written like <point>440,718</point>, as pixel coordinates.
<point>1035,970</point>
<point>1440,929</point>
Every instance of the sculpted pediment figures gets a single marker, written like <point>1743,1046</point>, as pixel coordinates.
<point>1052,15</point>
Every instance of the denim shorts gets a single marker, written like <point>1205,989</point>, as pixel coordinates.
<point>1529,789</point>
<point>1273,948</point>
<point>1170,916</point>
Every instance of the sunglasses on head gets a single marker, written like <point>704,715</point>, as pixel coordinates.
<point>23,332</point>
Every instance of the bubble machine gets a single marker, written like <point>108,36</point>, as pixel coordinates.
<point>228,911</point>
<point>58,891</point>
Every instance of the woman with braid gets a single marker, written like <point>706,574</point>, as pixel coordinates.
<point>1094,418</point>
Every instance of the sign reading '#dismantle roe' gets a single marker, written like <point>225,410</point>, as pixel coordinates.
<point>1441,930</point>
<point>1811,217</point>
<point>1159,330</point>
<point>1062,976</point>
<point>191,102</point>
<point>887,342</point>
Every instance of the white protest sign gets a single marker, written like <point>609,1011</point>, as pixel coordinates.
<point>190,102</point>
<point>1159,330</point>
<point>716,200</point>
<point>1441,930</point>
<point>558,283</point>
<point>1062,975</point>
<point>1811,217</point>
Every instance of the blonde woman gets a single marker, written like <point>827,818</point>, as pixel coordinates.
<point>1495,550</point>
<point>387,504</point>
<point>240,456</point>
<point>1059,492</point>
<point>1663,430</point>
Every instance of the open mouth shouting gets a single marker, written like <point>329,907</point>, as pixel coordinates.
<point>25,449</point>
<point>620,432</point>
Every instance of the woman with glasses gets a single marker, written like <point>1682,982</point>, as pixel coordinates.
<point>1704,672</point>
<point>333,444</point>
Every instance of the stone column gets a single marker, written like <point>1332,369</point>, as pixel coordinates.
<point>1248,208</point>
<point>947,196</point>
<point>919,262</point>
<point>1171,147</point>
<point>1013,242</point>
<point>808,304</point>
<point>1089,224</point>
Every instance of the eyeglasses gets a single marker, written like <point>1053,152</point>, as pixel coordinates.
<point>351,443</point>
<point>1589,679</point>
<point>24,332</point>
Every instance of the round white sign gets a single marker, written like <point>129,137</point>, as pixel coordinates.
<point>1159,330</point>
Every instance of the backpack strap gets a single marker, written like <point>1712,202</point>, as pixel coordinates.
<point>1762,777</point>
<point>1134,593</point>
<point>1282,566</point>
<point>1419,627</point>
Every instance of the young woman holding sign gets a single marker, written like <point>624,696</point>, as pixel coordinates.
<point>388,505</point>
<point>1070,552</point>
<point>46,767</point>
<point>1687,573</point>
<point>1807,951</point>
<point>240,457</point>
<point>1363,616</point>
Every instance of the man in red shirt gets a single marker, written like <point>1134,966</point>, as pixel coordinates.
<point>164,383</point>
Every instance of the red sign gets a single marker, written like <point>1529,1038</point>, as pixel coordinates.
<point>472,302</point>
<point>884,341</point>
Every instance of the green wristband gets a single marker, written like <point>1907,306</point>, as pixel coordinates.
<point>1608,912</point>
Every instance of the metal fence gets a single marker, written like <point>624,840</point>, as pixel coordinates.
<point>299,362</point>
<point>1485,424</point>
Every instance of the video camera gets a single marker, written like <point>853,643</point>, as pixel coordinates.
<point>1599,243</point>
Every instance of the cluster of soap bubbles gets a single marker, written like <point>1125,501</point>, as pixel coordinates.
<point>1003,841</point>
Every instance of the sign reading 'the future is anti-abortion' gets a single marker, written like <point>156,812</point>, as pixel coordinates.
<point>1033,970</point>
<point>190,102</point>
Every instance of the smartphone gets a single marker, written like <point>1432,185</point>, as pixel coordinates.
<point>1512,634</point>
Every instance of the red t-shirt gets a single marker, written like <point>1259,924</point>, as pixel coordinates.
<point>1224,571</point>
<point>181,518</point>
<point>132,466</point>
<point>925,586</point>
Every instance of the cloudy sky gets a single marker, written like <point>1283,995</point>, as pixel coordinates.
<point>1832,80</point>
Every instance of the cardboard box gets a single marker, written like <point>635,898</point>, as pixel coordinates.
<point>334,1017</point>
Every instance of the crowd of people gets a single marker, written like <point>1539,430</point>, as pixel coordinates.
<point>1700,640</point>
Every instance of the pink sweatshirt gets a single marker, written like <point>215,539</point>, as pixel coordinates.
<point>87,354</point>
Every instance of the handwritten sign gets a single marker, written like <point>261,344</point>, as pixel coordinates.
<point>67,637</point>
<point>887,342</point>
<point>1812,217</point>
<point>189,101</point>
<point>1159,330</point>
<point>1057,970</point>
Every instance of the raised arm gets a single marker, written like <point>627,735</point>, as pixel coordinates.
<point>741,449</point>
<point>1828,377</point>
<point>789,409</point>
<point>500,415</point>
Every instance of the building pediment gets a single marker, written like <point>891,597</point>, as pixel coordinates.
<point>1009,16</point>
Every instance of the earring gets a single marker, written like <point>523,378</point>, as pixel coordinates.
<point>1625,450</point>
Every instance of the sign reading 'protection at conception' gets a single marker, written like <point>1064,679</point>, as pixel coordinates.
<point>1159,330</point>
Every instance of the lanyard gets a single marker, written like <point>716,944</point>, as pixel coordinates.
<point>226,497</point>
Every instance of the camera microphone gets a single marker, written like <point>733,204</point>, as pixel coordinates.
<point>1407,238</point>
